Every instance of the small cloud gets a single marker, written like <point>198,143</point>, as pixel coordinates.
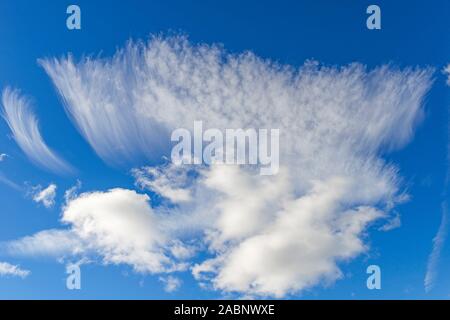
<point>7,269</point>
<point>171,284</point>
<point>393,223</point>
<point>45,196</point>
<point>3,156</point>
<point>447,73</point>
<point>71,193</point>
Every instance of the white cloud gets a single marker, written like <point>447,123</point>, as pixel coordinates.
<point>45,196</point>
<point>53,242</point>
<point>169,181</point>
<point>271,235</point>
<point>72,192</point>
<point>19,116</point>
<point>7,269</point>
<point>168,84</point>
<point>119,225</point>
<point>447,73</point>
<point>295,248</point>
<point>438,243</point>
<point>9,183</point>
<point>4,179</point>
<point>171,283</point>
<point>393,223</point>
<point>122,226</point>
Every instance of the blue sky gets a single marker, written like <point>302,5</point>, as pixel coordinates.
<point>414,34</point>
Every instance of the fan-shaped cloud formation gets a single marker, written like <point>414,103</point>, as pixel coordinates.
<point>268,235</point>
<point>19,116</point>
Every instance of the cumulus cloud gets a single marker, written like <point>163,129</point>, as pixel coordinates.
<point>4,179</point>
<point>122,226</point>
<point>266,235</point>
<point>18,114</point>
<point>7,269</point>
<point>290,249</point>
<point>119,225</point>
<point>45,196</point>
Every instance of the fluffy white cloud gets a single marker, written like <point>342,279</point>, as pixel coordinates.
<point>271,235</point>
<point>3,156</point>
<point>119,225</point>
<point>45,196</point>
<point>122,226</point>
<point>19,116</point>
<point>7,269</point>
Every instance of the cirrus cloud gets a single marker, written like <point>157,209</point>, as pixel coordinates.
<point>18,114</point>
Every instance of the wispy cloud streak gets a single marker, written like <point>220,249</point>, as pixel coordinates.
<point>438,243</point>
<point>18,114</point>
<point>441,235</point>
<point>9,183</point>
